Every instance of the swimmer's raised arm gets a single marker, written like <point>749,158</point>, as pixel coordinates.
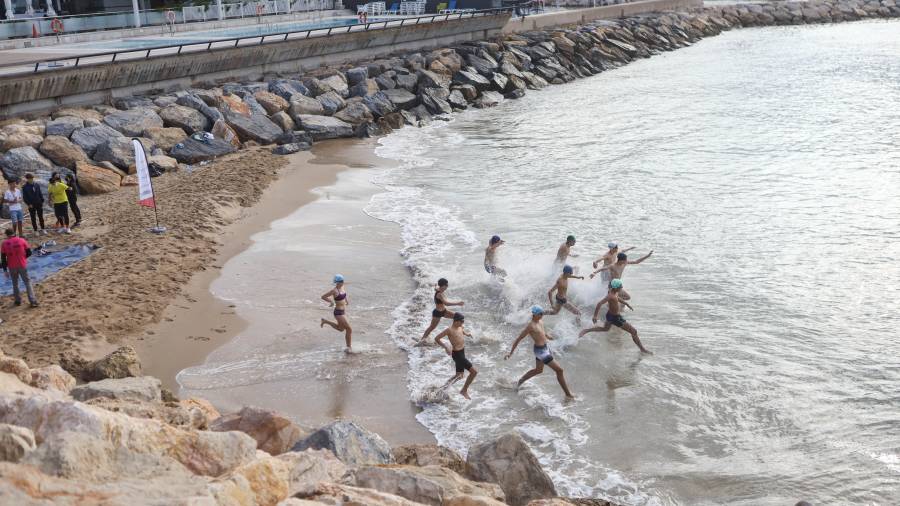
<point>639,260</point>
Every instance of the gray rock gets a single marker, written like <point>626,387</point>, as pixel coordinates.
<point>193,151</point>
<point>379,104</point>
<point>401,98</point>
<point>253,104</point>
<point>283,120</point>
<point>316,87</point>
<point>349,442</point>
<point>256,127</point>
<point>90,138</point>
<point>324,127</point>
<point>364,89</point>
<point>474,79</point>
<point>468,91</point>
<point>188,119</point>
<point>294,137</point>
<point>164,101</point>
<point>127,103</point>
<point>488,99</point>
<point>144,388</point>
<point>407,82</point>
<point>20,161</point>
<point>121,363</point>
<point>64,126</point>
<point>133,122</point>
<point>15,442</point>
<point>428,79</point>
<point>192,101</point>
<point>337,83</point>
<point>385,82</point>
<point>457,100</point>
<point>515,94</point>
<point>290,149</point>
<point>355,113</point>
<point>357,75</point>
<point>423,117</point>
<point>331,102</point>
<point>500,81</point>
<point>481,65</point>
<point>120,151</point>
<point>435,100</point>
<point>509,463</point>
<point>301,105</point>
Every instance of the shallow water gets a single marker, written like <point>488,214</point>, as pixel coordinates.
<point>763,168</point>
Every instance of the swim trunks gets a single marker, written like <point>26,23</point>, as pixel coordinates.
<point>561,300</point>
<point>615,319</point>
<point>543,354</point>
<point>338,312</point>
<point>459,358</point>
<point>489,268</point>
<point>437,313</point>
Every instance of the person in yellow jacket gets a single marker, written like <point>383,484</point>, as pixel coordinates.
<point>57,191</point>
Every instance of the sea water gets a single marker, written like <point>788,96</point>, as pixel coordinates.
<point>762,167</point>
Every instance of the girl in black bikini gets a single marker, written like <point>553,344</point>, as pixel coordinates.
<point>440,308</point>
<point>340,302</point>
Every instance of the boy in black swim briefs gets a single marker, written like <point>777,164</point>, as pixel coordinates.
<point>457,350</point>
<point>542,355</point>
<point>614,315</point>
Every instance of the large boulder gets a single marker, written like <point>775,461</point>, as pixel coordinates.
<point>402,98</point>
<point>20,140</point>
<point>428,79</point>
<point>336,494</point>
<point>488,99</point>
<point>357,75</point>
<point>194,151</point>
<point>17,367</point>
<point>509,462</point>
<point>324,127</point>
<point>94,180</point>
<point>20,161</point>
<point>288,89</point>
<point>407,82</point>
<point>283,120</point>
<point>232,105</point>
<point>171,413</point>
<point>331,102</point>
<point>338,84</point>
<point>90,138</point>
<point>432,485</point>
<point>255,127</point>
<point>201,452</point>
<point>123,362</point>
<point>165,138</point>
<point>52,377</point>
<point>145,388</point>
<point>202,406</point>
<point>15,442</point>
<point>188,119</point>
<point>221,130</point>
<point>435,100</point>
<point>271,102</point>
<point>350,443</point>
<point>77,112</point>
<point>62,151</point>
<point>379,104</point>
<point>316,87</point>
<point>364,89</point>
<point>274,433</point>
<point>302,104</point>
<point>64,126</point>
<point>355,113</point>
<point>194,102</point>
<point>120,151</point>
<point>310,468</point>
<point>133,122</point>
<point>472,78</point>
<point>429,455</point>
<point>457,100</point>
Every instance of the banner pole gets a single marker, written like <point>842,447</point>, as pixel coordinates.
<point>145,183</point>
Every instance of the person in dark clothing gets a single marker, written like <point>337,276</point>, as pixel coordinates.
<point>72,193</point>
<point>34,199</point>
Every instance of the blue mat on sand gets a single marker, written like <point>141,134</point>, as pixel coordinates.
<point>45,261</point>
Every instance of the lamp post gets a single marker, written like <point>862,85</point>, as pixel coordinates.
<point>137,13</point>
<point>221,12</point>
<point>9,8</point>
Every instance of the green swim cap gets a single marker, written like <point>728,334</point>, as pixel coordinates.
<point>616,283</point>
<point>571,238</point>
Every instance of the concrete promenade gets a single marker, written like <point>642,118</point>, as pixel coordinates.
<point>576,16</point>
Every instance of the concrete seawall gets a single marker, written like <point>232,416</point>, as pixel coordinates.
<point>575,16</point>
<point>39,92</point>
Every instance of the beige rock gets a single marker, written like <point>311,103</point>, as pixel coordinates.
<point>271,102</point>
<point>77,112</point>
<point>167,163</point>
<point>345,495</point>
<point>144,388</point>
<point>203,453</point>
<point>95,180</point>
<point>559,501</point>
<point>204,407</point>
<point>283,120</point>
<point>428,485</point>
<point>273,432</point>
<point>62,151</point>
<point>509,462</point>
<point>293,501</point>
<point>267,479</point>
<point>439,68</point>
<point>170,413</point>
<point>20,140</point>
<point>52,377</point>
<point>121,363</point>
<point>473,500</point>
<point>15,442</point>
<point>17,367</point>
<point>310,468</point>
<point>32,127</point>
<point>165,138</point>
<point>429,455</point>
<point>221,130</point>
<point>130,180</point>
<point>234,103</point>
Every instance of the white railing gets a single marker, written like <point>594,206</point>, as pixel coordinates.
<point>412,8</point>
<point>193,14</point>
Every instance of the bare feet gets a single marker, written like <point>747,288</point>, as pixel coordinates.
<point>322,323</point>
<point>646,352</point>
<point>348,350</point>
<point>465,394</point>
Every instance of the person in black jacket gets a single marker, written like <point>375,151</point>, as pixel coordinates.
<point>72,193</point>
<point>34,199</point>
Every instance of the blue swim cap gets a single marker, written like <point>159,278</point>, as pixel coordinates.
<point>537,310</point>
<point>568,269</point>
<point>495,239</point>
<point>338,278</point>
<point>616,283</point>
<point>612,245</point>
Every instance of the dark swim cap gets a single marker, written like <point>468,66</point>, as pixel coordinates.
<point>495,239</point>
<point>443,282</point>
<point>568,269</point>
<point>622,256</point>
<point>571,238</point>
<point>458,317</point>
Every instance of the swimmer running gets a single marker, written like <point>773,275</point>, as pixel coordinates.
<point>617,270</point>
<point>456,334</point>
<point>542,355</point>
<point>490,259</point>
<point>614,315</point>
<point>561,287</point>
<point>565,250</point>
<point>440,308</point>
<point>340,302</point>
<point>608,258</point>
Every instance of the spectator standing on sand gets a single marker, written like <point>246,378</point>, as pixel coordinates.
<point>60,201</point>
<point>72,195</point>
<point>14,261</point>
<point>34,199</point>
<point>12,197</point>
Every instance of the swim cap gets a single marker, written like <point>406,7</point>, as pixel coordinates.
<point>537,310</point>
<point>443,282</point>
<point>622,256</point>
<point>571,238</point>
<point>568,269</point>
<point>458,317</point>
<point>616,283</point>
<point>338,278</point>
<point>613,245</point>
<point>495,239</point>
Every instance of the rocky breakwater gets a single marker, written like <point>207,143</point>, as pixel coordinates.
<point>122,440</point>
<point>371,98</point>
